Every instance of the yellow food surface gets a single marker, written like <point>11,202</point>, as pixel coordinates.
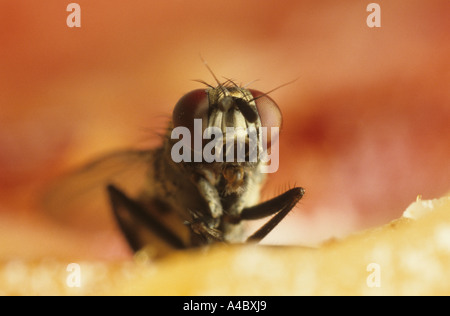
<point>409,256</point>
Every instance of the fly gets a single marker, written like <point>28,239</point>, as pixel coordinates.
<point>181,203</point>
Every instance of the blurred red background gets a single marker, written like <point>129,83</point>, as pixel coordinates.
<point>366,125</point>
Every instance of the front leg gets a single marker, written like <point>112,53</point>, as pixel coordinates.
<point>211,196</point>
<point>280,205</point>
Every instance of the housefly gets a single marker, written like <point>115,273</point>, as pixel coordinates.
<point>176,196</point>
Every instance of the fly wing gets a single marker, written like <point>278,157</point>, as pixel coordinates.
<point>80,198</point>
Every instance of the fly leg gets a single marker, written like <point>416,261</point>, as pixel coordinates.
<point>211,196</point>
<point>280,205</point>
<point>139,226</point>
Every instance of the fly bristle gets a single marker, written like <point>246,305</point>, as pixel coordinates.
<point>219,84</point>
<point>274,89</point>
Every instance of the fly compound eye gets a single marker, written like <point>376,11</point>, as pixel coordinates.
<point>269,114</point>
<point>193,105</point>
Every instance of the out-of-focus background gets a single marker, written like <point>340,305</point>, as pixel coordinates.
<point>366,125</point>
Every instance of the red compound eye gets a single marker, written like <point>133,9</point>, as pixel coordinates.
<point>269,114</point>
<point>193,105</point>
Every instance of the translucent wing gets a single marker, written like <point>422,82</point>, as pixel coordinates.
<point>80,198</point>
